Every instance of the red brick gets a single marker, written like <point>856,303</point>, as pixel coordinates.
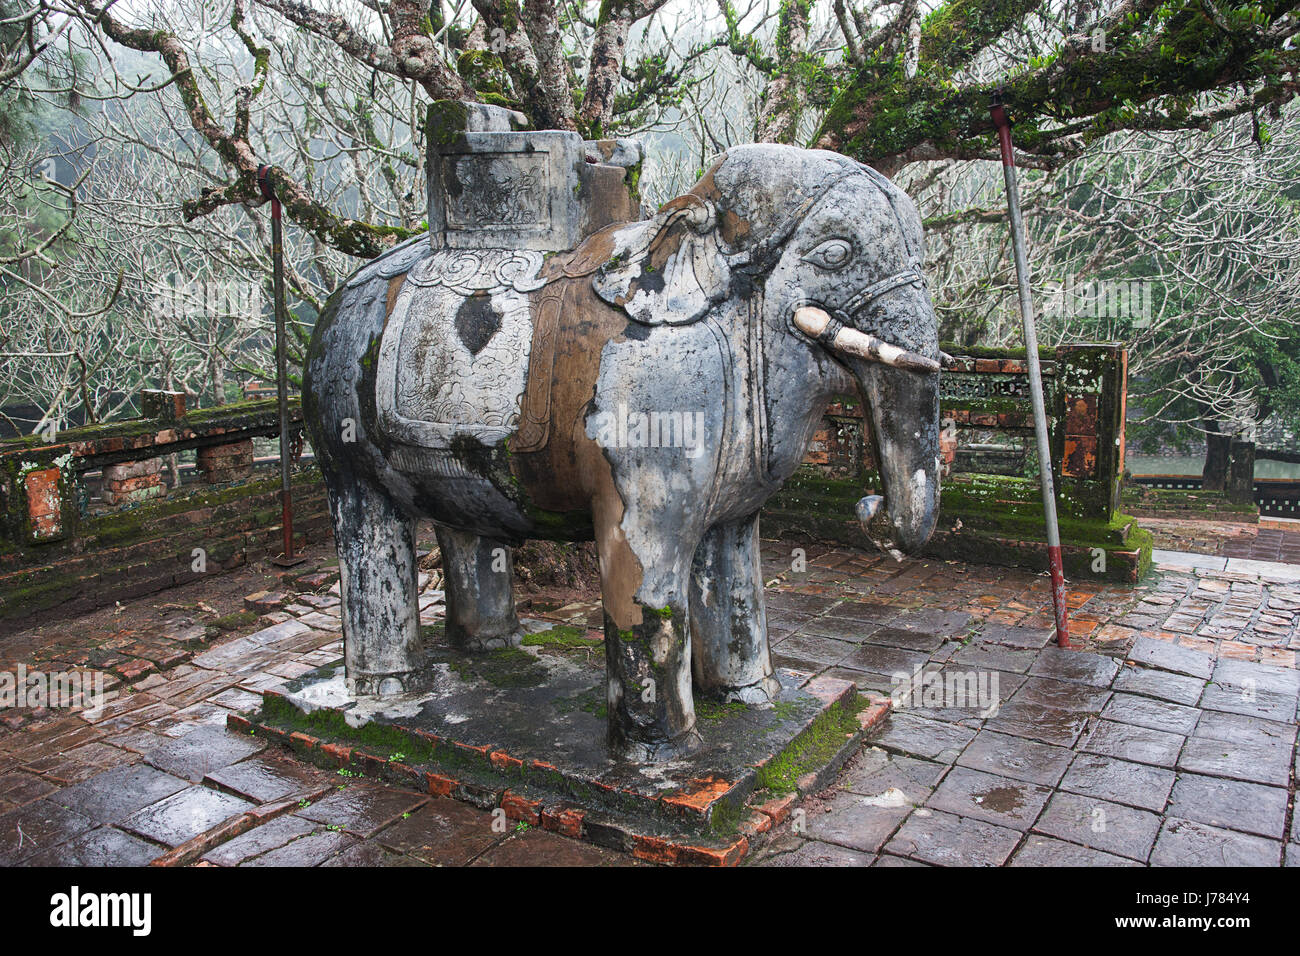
<point>134,669</point>
<point>239,724</point>
<point>654,849</point>
<point>699,794</point>
<point>132,469</point>
<point>338,754</point>
<point>503,761</point>
<point>220,455</point>
<point>567,821</point>
<point>830,690</point>
<point>1081,415</point>
<point>521,808</point>
<point>43,502</point>
<point>298,739</point>
<point>713,856</point>
<point>778,808</point>
<point>869,716</point>
<point>1080,457</point>
<point>440,786</point>
<point>265,600</point>
<point>127,485</point>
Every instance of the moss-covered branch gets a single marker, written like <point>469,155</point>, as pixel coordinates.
<point>1152,73</point>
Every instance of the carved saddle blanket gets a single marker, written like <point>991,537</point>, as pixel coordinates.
<point>454,356</point>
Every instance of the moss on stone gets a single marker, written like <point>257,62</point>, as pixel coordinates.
<point>562,635</point>
<point>813,749</point>
<point>384,740</point>
<point>712,711</point>
<point>232,622</point>
<point>446,123</point>
<point>507,667</point>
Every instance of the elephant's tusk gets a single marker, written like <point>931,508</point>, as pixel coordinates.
<point>813,322</point>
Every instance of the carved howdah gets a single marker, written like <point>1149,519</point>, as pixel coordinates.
<point>547,364</point>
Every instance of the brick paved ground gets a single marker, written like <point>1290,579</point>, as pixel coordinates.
<point>1270,544</point>
<point>1168,737</point>
<point>1229,539</point>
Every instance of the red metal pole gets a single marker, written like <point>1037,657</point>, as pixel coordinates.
<point>281,362</point>
<point>1003,124</point>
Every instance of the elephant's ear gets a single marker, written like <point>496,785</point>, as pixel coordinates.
<point>669,270</point>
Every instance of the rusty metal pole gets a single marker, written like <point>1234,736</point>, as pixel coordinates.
<point>1003,124</point>
<point>281,364</point>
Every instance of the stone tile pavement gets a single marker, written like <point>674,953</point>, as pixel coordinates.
<point>1167,737</point>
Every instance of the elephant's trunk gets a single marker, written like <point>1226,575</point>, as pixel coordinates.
<point>901,389</point>
<point>905,423</point>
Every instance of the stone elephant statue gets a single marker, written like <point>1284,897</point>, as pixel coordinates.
<point>649,389</point>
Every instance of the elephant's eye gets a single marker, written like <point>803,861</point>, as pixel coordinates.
<point>831,254</point>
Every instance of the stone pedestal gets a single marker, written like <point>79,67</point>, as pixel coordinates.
<point>222,463</point>
<point>523,729</point>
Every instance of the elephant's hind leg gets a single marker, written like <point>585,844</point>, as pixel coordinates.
<point>728,615</point>
<point>377,572</point>
<point>480,591</point>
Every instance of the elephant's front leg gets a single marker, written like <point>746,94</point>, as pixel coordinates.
<point>647,645</point>
<point>377,582</point>
<point>728,615</point>
<point>479,576</point>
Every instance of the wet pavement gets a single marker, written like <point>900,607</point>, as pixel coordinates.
<point>1272,539</point>
<point>1166,737</point>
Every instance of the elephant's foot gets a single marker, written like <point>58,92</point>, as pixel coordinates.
<point>676,748</point>
<point>762,693</point>
<point>377,581</point>
<point>481,642</point>
<point>651,709</point>
<point>390,685</point>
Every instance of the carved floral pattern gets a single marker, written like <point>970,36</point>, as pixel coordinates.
<point>495,191</point>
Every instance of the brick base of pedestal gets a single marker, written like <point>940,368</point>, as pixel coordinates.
<point>133,481</point>
<point>222,463</point>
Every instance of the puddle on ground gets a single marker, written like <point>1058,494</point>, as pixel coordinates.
<point>1001,799</point>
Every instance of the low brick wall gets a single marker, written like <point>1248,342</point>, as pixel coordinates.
<point>58,557</point>
<point>1148,502</point>
<point>151,547</point>
<point>991,508</point>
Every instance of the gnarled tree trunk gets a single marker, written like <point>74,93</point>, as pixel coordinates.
<point>1214,475</point>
